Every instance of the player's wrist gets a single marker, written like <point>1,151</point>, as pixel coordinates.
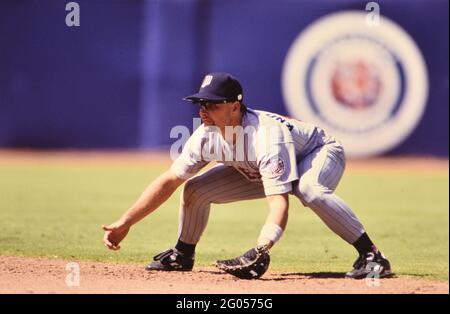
<point>125,221</point>
<point>270,234</point>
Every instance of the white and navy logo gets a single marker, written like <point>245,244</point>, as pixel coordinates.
<point>367,85</point>
<point>207,81</point>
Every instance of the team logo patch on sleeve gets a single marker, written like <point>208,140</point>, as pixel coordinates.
<point>275,167</point>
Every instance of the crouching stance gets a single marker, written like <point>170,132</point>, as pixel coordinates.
<point>259,155</point>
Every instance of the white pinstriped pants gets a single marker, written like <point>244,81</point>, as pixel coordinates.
<point>320,173</point>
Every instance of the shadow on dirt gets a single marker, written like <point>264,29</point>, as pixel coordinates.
<point>316,275</point>
<point>291,276</point>
<point>287,276</point>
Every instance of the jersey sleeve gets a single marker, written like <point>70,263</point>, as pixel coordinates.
<point>278,169</point>
<point>190,161</point>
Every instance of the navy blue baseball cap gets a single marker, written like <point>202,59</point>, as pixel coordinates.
<point>218,88</point>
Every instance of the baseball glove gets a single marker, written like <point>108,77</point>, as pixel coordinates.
<point>251,265</point>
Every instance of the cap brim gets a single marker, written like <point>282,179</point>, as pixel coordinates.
<point>199,97</point>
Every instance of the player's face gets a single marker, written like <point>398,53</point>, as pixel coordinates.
<point>219,115</point>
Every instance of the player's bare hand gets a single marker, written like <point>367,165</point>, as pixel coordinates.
<point>114,234</point>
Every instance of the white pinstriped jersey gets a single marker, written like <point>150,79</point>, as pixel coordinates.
<point>267,150</point>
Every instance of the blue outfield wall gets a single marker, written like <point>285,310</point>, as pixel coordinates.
<point>69,87</point>
<point>117,80</point>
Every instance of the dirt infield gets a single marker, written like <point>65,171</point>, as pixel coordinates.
<point>39,275</point>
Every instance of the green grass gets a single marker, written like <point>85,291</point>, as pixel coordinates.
<point>58,210</point>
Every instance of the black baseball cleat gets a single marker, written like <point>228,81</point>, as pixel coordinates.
<point>171,260</point>
<point>371,264</point>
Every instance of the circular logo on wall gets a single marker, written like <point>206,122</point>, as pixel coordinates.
<point>366,84</point>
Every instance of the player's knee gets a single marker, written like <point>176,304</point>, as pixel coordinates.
<point>194,193</point>
<point>191,192</point>
<point>308,192</point>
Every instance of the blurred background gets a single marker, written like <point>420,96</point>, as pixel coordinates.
<point>117,80</point>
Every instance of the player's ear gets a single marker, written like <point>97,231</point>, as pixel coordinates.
<point>236,106</point>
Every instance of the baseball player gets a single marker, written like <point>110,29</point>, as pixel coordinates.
<point>258,155</point>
